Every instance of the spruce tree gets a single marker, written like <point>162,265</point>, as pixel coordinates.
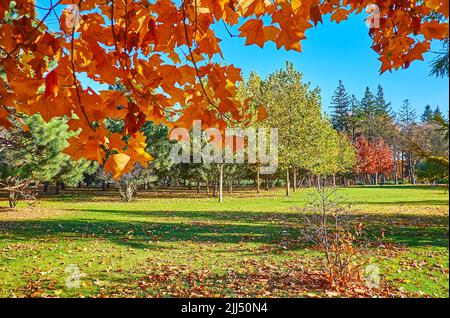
<point>381,106</point>
<point>407,115</point>
<point>368,113</point>
<point>340,102</point>
<point>437,112</point>
<point>427,114</point>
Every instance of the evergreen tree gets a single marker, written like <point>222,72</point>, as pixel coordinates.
<point>340,102</point>
<point>40,156</point>
<point>407,115</point>
<point>437,112</point>
<point>355,119</point>
<point>368,115</point>
<point>159,147</point>
<point>381,106</point>
<point>427,115</point>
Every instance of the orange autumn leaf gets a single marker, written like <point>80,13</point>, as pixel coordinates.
<point>51,84</point>
<point>339,15</point>
<point>116,164</point>
<point>434,30</point>
<point>253,31</point>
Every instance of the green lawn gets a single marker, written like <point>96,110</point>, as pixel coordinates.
<point>184,244</point>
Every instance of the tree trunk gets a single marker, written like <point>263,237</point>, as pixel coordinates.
<point>57,188</point>
<point>207,186</point>
<point>334,181</point>
<point>376,178</point>
<point>294,180</point>
<point>221,183</point>
<point>215,187</point>
<point>230,186</point>
<point>288,182</point>
<point>403,167</point>
<point>266,186</point>
<point>13,198</point>
<point>46,184</point>
<point>198,185</point>
<point>318,183</point>
<point>257,179</point>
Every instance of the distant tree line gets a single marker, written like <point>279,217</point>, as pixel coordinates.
<point>363,141</point>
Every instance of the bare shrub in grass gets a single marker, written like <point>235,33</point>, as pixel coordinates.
<point>328,226</point>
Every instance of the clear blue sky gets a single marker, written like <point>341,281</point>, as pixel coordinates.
<point>342,51</point>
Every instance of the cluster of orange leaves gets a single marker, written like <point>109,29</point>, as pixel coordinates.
<point>161,52</point>
<point>373,157</point>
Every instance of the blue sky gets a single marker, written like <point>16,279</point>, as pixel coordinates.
<point>342,51</point>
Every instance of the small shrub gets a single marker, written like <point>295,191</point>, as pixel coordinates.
<point>329,227</point>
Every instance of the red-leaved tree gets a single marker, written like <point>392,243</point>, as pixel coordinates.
<point>373,158</point>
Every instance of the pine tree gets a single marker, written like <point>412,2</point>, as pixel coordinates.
<point>355,118</point>
<point>407,115</point>
<point>368,113</point>
<point>437,112</point>
<point>381,106</point>
<point>427,114</point>
<point>368,104</point>
<point>40,157</point>
<point>340,102</point>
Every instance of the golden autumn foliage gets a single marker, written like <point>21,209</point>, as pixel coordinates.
<point>161,53</point>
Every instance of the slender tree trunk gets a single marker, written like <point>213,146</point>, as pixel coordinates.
<point>221,183</point>
<point>46,184</point>
<point>376,178</point>
<point>57,188</point>
<point>198,185</point>
<point>145,184</point>
<point>288,182</point>
<point>230,186</point>
<point>318,183</point>
<point>266,186</point>
<point>334,181</point>
<point>403,167</point>
<point>207,186</point>
<point>257,179</point>
<point>215,188</point>
<point>294,180</point>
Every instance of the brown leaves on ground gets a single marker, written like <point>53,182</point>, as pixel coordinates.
<point>29,213</point>
<point>255,278</point>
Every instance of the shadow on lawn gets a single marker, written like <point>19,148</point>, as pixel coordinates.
<point>215,227</point>
<point>396,203</point>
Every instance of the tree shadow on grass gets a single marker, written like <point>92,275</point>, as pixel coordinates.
<point>396,203</point>
<point>215,227</point>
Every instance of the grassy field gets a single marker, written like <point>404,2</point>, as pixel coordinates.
<point>182,244</point>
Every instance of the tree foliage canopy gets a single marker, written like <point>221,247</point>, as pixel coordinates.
<point>164,53</point>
